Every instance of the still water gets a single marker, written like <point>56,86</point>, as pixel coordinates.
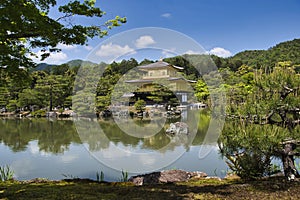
<point>56,149</point>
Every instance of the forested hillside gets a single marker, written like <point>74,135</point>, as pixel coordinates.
<point>285,51</point>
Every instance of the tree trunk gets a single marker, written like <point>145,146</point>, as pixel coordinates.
<point>51,99</point>
<point>288,162</point>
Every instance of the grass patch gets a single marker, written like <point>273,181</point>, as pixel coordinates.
<point>195,189</point>
<point>6,173</point>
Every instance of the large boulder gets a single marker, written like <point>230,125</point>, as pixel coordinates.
<point>168,176</point>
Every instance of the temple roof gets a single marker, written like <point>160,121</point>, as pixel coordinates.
<point>153,80</point>
<point>139,81</point>
<point>157,65</point>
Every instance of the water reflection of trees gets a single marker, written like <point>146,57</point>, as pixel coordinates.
<point>57,136</point>
<point>199,121</point>
<point>52,136</point>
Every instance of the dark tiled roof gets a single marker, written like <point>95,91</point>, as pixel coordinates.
<point>181,78</point>
<point>139,81</point>
<point>159,64</point>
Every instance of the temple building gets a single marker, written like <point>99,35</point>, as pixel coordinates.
<point>161,74</point>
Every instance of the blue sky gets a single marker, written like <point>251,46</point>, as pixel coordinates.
<point>222,27</point>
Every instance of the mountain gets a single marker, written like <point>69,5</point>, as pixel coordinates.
<point>285,51</point>
<point>42,66</point>
<point>78,63</point>
<point>71,64</point>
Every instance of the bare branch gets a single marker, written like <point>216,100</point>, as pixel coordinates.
<point>290,141</point>
<point>64,17</point>
<point>286,92</point>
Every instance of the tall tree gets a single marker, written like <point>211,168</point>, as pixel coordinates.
<point>266,125</point>
<point>53,89</point>
<point>27,24</point>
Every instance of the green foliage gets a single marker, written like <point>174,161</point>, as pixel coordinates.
<point>264,105</point>
<point>273,188</point>
<point>162,94</point>
<point>100,177</point>
<point>70,176</point>
<point>285,51</point>
<point>4,96</point>
<point>140,105</point>
<point>12,105</point>
<point>29,97</point>
<point>124,177</point>
<point>275,94</point>
<point>30,26</point>
<point>39,113</point>
<point>6,173</point>
<point>102,102</point>
<point>121,67</point>
<point>53,137</point>
<point>201,91</point>
<point>146,62</point>
<point>104,89</point>
<point>189,70</point>
<point>82,103</point>
<point>249,148</point>
<point>60,69</point>
<point>54,89</point>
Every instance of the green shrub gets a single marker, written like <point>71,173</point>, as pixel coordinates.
<point>124,177</point>
<point>39,113</point>
<point>249,148</point>
<point>6,173</point>
<point>100,177</point>
<point>140,105</point>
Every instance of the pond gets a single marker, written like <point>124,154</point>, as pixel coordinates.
<point>57,149</point>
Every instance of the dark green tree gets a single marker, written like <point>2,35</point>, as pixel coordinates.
<point>201,91</point>
<point>28,98</point>
<point>265,124</point>
<point>53,89</point>
<point>162,94</point>
<point>140,105</point>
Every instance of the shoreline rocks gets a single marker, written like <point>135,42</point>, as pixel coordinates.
<point>167,176</point>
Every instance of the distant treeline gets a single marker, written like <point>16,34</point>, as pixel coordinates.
<point>49,86</point>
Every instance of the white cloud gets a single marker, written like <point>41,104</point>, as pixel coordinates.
<point>114,153</point>
<point>218,51</point>
<point>148,159</point>
<point>221,52</point>
<point>23,167</point>
<point>144,41</point>
<point>111,50</point>
<point>66,47</point>
<point>166,15</point>
<point>35,149</point>
<point>54,58</point>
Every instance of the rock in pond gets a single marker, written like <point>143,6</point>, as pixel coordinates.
<point>178,128</point>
